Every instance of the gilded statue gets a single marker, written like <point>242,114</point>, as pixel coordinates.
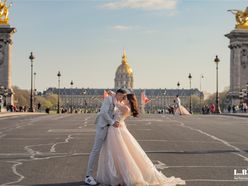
<point>4,12</point>
<point>241,18</point>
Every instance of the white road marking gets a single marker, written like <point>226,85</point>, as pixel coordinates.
<point>71,130</point>
<point>26,122</point>
<point>8,117</point>
<point>32,153</point>
<point>20,162</point>
<point>52,149</point>
<point>148,123</point>
<point>148,119</point>
<point>58,155</point>
<point>60,117</point>
<point>213,180</point>
<point>217,139</point>
<point>180,141</point>
<point>143,129</point>
<point>27,154</point>
<point>205,166</point>
<point>21,177</point>
<point>160,165</point>
<point>1,136</point>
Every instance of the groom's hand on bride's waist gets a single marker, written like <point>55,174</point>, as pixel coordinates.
<point>116,124</point>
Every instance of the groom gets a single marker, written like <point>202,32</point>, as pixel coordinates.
<point>104,119</point>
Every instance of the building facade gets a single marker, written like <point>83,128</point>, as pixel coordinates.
<point>90,99</point>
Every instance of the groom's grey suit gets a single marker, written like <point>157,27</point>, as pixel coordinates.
<point>104,119</point>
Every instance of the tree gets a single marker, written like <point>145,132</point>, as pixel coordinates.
<point>47,104</point>
<point>195,102</point>
<point>22,98</point>
<point>223,99</point>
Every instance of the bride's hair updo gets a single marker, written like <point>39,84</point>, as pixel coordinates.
<point>133,104</point>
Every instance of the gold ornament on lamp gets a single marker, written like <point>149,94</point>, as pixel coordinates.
<point>4,12</point>
<point>241,18</point>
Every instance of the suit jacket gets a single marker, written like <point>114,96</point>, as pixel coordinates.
<point>105,117</point>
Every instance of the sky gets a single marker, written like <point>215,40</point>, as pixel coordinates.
<point>165,40</point>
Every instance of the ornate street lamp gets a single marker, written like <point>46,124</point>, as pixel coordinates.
<point>217,105</point>
<point>190,101</point>
<point>201,94</point>
<point>164,108</point>
<point>31,107</point>
<point>59,75</point>
<point>71,94</point>
<point>85,104</point>
<point>35,91</point>
<point>178,85</point>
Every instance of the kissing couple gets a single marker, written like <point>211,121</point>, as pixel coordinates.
<point>122,161</point>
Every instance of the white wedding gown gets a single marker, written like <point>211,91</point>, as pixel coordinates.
<point>181,110</point>
<point>122,161</point>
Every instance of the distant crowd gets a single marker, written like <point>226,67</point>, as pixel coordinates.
<point>171,109</point>
<point>243,107</point>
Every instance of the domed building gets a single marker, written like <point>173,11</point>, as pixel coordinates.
<point>89,100</point>
<point>124,74</point>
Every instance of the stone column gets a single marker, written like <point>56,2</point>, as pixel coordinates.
<point>6,33</point>
<point>237,74</point>
<point>231,67</point>
<point>238,78</point>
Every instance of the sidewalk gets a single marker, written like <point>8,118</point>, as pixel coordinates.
<point>9,114</point>
<point>236,114</point>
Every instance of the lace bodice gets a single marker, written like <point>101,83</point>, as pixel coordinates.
<point>119,115</point>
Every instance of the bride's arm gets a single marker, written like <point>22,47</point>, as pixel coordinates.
<point>110,93</point>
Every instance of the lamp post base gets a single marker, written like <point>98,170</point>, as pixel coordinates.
<point>217,111</point>
<point>31,110</point>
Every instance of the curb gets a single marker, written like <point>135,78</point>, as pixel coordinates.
<point>236,115</point>
<point>11,114</point>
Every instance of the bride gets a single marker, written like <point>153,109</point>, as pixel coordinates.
<point>181,110</point>
<point>122,161</point>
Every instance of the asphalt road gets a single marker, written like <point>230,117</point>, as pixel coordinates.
<point>53,149</point>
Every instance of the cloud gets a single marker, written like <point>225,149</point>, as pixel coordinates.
<point>135,28</point>
<point>121,27</point>
<point>142,4</point>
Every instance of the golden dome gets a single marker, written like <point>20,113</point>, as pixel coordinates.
<point>124,74</point>
<point>124,68</point>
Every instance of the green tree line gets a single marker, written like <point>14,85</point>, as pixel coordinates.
<point>22,98</point>
<point>197,104</point>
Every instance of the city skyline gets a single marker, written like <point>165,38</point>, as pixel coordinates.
<point>165,40</point>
